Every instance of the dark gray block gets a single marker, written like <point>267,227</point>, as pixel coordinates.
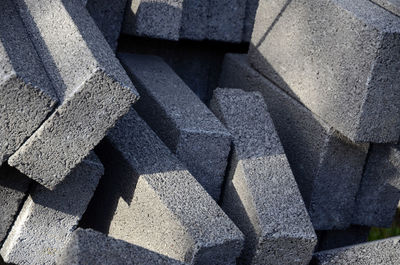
<point>379,192</point>
<point>250,17</point>
<point>354,234</point>
<point>340,58</point>
<point>390,5</point>
<point>90,247</point>
<point>261,195</point>
<point>381,252</point>
<point>48,218</point>
<point>194,19</point>
<point>93,87</point>
<point>26,93</point>
<point>180,119</point>
<point>327,166</point>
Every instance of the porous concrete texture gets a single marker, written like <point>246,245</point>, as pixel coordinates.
<point>48,218</point>
<point>380,252</point>
<point>26,93</point>
<point>250,15</point>
<point>180,119</point>
<point>340,58</point>
<point>379,192</point>
<point>149,199</point>
<point>194,19</point>
<point>93,88</point>
<point>88,246</point>
<point>354,234</point>
<point>390,5</point>
<point>327,166</point>
<point>273,219</point>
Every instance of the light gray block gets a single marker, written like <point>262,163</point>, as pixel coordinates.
<point>250,17</point>
<point>93,86</point>
<point>194,19</point>
<point>261,195</point>
<point>90,247</point>
<point>48,218</point>
<point>390,5</point>
<point>26,93</point>
<point>340,58</point>
<point>380,252</point>
<point>379,192</point>
<point>327,166</point>
<point>354,234</point>
<point>180,119</point>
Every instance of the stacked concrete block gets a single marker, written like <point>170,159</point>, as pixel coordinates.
<point>180,119</point>
<point>87,246</point>
<point>381,252</point>
<point>261,195</point>
<point>340,58</point>
<point>250,14</point>
<point>327,166</point>
<point>390,5</point>
<point>354,234</point>
<point>93,88</point>
<point>48,218</point>
<point>26,94</point>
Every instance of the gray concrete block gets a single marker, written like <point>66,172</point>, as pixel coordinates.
<point>194,19</point>
<point>261,195</point>
<point>390,5</point>
<point>48,218</point>
<point>380,252</point>
<point>90,247</point>
<point>327,166</point>
<point>310,49</point>
<point>152,201</point>
<point>354,234</point>
<point>93,87</point>
<point>250,17</point>
<point>180,119</point>
<point>26,93</point>
<point>379,192</point>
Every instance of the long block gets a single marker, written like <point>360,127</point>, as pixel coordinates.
<point>310,48</point>
<point>390,5</point>
<point>26,94</point>
<point>93,86</point>
<point>48,218</point>
<point>180,119</point>
<point>261,195</point>
<point>327,166</point>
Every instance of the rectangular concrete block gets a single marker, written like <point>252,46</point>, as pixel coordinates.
<point>339,58</point>
<point>261,195</point>
<point>88,246</point>
<point>390,5</point>
<point>93,88</point>
<point>327,166</point>
<point>379,192</point>
<point>26,94</point>
<point>180,119</point>
<point>194,19</point>
<point>48,218</point>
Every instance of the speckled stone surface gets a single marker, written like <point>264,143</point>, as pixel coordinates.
<point>194,19</point>
<point>340,58</point>
<point>390,5</point>
<point>261,195</point>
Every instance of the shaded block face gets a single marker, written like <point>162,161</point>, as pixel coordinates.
<point>250,14</point>
<point>341,59</point>
<point>390,5</point>
<point>194,19</point>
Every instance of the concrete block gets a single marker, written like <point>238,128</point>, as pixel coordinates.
<point>26,93</point>
<point>149,199</point>
<point>180,119</point>
<point>390,5</point>
<point>48,218</point>
<point>261,195</point>
<point>310,49</point>
<point>327,166</point>
<point>379,192</point>
<point>194,19</point>
<point>380,252</point>
<point>354,234</point>
<point>88,246</point>
<point>250,17</point>
<point>93,87</point>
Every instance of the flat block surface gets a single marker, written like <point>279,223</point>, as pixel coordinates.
<point>390,5</point>
<point>194,19</point>
<point>250,15</point>
<point>354,234</point>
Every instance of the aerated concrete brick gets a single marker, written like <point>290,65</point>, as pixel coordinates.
<point>340,58</point>
<point>180,119</point>
<point>261,195</point>
<point>48,218</point>
<point>26,93</point>
<point>390,5</point>
<point>87,246</point>
<point>379,192</point>
<point>93,87</point>
<point>327,166</point>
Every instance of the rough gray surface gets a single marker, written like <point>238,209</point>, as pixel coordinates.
<point>48,218</point>
<point>94,88</point>
<point>381,252</point>
<point>379,192</point>
<point>250,15</point>
<point>89,247</point>
<point>26,93</point>
<point>390,5</point>
<point>261,195</point>
<point>194,19</point>
<point>340,58</point>
<point>180,119</point>
<point>354,234</point>
<point>327,166</point>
